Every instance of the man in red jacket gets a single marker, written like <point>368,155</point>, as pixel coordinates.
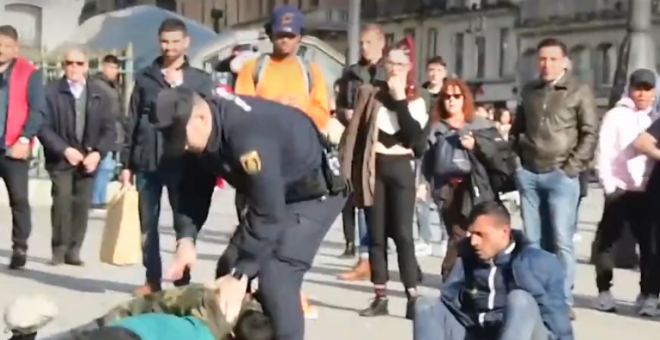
<point>21,112</point>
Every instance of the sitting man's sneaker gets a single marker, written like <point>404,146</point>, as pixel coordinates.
<point>26,315</point>
<point>648,306</point>
<point>605,302</point>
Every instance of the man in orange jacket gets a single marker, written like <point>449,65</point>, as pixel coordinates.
<point>285,77</point>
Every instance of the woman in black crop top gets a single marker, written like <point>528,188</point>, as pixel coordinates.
<point>387,122</point>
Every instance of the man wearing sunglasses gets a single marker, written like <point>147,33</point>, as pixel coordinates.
<point>78,132</point>
<point>21,112</point>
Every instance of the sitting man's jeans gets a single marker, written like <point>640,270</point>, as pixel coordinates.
<point>548,203</point>
<point>522,320</point>
<point>103,177</point>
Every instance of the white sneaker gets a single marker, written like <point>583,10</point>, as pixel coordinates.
<point>577,237</point>
<point>423,249</point>
<point>649,307</point>
<point>605,302</point>
<point>29,314</point>
<point>443,248</point>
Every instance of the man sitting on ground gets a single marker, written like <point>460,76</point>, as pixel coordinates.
<point>501,288</point>
<point>190,312</point>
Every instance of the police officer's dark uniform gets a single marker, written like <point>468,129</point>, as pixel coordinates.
<point>273,154</point>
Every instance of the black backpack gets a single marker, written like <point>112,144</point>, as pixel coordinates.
<point>499,160</point>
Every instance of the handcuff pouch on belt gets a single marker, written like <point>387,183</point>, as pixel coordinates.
<point>325,180</point>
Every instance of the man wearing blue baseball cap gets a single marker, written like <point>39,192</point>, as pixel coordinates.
<point>306,87</point>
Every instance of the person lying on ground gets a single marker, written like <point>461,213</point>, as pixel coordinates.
<point>192,312</point>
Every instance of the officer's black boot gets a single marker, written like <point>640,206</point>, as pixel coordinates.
<point>17,336</point>
<point>18,259</point>
<point>378,307</point>
<point>349,251</point>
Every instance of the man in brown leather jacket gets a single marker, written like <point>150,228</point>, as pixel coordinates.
<point>555,132</point>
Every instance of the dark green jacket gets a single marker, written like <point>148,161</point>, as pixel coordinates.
<point>193,300</point>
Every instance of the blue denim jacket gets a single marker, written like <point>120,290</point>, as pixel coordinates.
<point>533,270</point>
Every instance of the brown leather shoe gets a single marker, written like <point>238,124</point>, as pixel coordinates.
<point>147,288</point>
<point>360,272</point>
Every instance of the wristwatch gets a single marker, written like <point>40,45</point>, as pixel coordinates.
<point>238,275</point>
<point>24,140</point>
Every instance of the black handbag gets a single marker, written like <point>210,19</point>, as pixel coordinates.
<point>450,158</point>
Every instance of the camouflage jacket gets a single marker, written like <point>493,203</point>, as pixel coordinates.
<point>193,300</point>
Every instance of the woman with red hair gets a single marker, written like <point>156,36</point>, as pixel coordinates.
<point>377,155</point>
<point>480,141</point>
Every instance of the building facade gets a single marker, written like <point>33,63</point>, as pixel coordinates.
<point>492,43</point>
<point>41,24</point>
<point>326,19</point>
<point>592,30</point>
<point>476,39</point>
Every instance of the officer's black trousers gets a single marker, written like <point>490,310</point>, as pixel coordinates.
<point>391,216</point>
<point>281,274</point>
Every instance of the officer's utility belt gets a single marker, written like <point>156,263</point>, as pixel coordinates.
<point>325,180</point>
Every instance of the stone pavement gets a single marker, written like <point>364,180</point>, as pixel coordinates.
<point>84,293</point>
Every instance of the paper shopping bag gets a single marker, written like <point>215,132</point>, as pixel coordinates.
<point>122,240</point>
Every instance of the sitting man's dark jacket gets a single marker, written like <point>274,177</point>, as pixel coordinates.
<point>466,291</point>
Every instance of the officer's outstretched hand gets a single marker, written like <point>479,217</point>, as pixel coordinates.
<point>232,292</point>
<point>186,255</point>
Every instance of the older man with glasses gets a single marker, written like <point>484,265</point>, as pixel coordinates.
<point>78,132</point>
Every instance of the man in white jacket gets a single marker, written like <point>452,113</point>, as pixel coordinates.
<point>623,173</point>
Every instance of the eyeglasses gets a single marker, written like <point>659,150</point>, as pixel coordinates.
<point>447,96</point>
<point>73,62</point>
<point>400,65</point>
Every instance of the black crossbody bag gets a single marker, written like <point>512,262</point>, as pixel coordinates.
<point>326,180</point>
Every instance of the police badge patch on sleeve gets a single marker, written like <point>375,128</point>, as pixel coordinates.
<point>251,162</point>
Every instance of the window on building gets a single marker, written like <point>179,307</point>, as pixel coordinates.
<point>432,43</point>
<point>581,63</point>
<point>505,47</point>
<point>458,53</point>
<point>527,68</point>
<point>604,64</point>
<point>389,39</point>
<point>28,21</point>
<point>410,32</point>
<point>203,14</point>
<point>169,5</point>
<point>481,56</point>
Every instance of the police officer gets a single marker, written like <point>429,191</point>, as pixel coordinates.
<point>274,155</point>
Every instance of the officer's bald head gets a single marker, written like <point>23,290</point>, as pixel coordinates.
<point>200,125</point>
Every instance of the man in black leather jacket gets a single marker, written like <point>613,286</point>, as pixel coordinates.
<point>555,132</point>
